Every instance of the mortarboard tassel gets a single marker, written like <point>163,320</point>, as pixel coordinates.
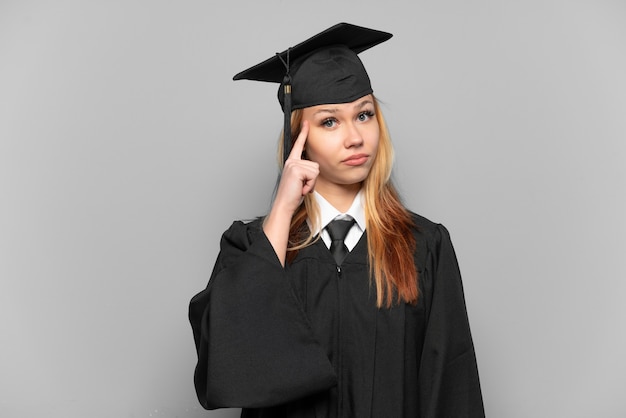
<point>286,108</point>
<point>287,112</point>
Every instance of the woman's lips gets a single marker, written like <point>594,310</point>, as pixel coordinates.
<point>356,159</point>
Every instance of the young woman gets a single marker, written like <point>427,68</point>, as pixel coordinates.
<point>340,302</point>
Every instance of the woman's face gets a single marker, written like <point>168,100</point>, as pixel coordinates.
<point>343,140</point>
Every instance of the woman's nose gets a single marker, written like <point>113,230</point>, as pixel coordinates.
<point>353,136</point>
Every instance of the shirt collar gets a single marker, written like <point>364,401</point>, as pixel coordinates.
<point>328,212</point>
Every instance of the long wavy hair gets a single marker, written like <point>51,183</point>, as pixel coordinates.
<point>390,240</point>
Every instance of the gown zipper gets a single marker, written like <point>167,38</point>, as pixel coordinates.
<point>339,344</point>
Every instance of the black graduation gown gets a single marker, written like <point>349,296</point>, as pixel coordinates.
<point>309,341</point>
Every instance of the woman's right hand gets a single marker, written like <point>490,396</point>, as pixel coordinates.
<point>297,179</point>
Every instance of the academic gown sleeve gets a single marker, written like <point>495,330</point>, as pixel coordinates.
<point>254,342</point>
<point>448,378</point>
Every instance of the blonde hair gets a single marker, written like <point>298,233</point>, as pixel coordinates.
<point>390,240</point>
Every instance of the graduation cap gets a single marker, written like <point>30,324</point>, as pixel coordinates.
<point>324,69</point>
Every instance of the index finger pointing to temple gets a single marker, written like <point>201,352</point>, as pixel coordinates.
<point>298,146</point>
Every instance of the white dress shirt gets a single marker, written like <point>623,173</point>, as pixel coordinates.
<point>328,212</point>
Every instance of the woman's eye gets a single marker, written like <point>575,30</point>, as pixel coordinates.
<point>363,116</point>
<point>328,123</point>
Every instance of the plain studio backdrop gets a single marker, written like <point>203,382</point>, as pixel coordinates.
<point>126,150</point>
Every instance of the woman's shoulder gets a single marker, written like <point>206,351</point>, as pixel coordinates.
<point>431,238</point>
<point>428,230</point>
<point>243,232</point>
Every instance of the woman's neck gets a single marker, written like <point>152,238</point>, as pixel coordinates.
<point>340,196</point>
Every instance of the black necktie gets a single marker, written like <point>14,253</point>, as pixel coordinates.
<point>338,229</point>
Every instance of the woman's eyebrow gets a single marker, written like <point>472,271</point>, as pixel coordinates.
<point>363,104</point>
<point>359,105</point>
<point>327,110</point>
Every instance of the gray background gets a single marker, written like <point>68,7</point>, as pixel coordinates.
<point>125,151</point>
